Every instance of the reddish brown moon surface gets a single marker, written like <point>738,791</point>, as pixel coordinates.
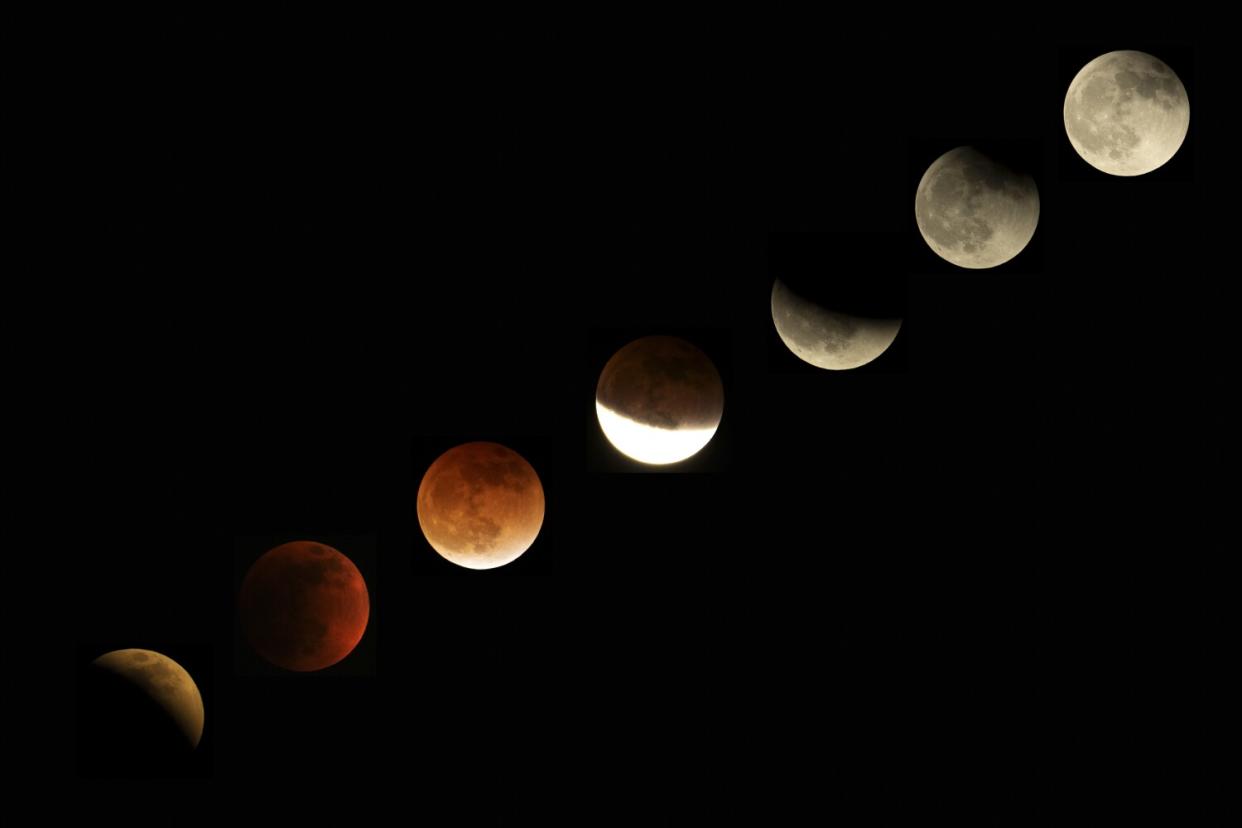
<point>304,606</point>
<point>480,505</point>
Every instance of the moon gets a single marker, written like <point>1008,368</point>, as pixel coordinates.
<point>304,606</point>
<point>480,505</point>
<point>975,212</point>
<point>1126,113</point>
<point>659,400</point>
<point>166,683</point>
<point>828,339</point>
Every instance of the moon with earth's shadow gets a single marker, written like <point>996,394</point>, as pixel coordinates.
<point>304,606</point>
<point>975,212</point>
<point>659,400</point>
<point>165,681</point>
<point>1126,113</point>
<point>480,505</point>
<point>825,338</point>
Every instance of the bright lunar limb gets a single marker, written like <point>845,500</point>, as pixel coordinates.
<point>480,505</point>
<point>1126,113</point>
<point>659,400</point>
<point>975,212</point>
<point>165,681</point>
<point>649,444</point>
<point>827,339</point>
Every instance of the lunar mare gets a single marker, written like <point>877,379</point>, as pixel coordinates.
<point>975,212</point>
<point>1126,113</point>
<point>480,505</point>
<point>165,681</point>
<point>659,400</point>
<point>304,606</point>
<point>825,338</point>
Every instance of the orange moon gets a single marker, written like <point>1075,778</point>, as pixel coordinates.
<point>304,606</point>
<point>480,505</point>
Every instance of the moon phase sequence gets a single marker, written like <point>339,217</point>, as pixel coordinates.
<point>825,338</point>
<point>304,606</point>
<point>1126,113</point>
<point>659,400</point>
<point>975,212</point>
<point>480,505</point>
<point>166,683</point>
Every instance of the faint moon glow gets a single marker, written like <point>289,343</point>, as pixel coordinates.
<point>304,606</point>
<point>648,444</point>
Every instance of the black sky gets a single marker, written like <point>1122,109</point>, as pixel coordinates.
<point>327,261</point>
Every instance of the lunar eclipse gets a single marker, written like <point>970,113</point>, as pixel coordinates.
<point>659,400</point>
<point>480,505</point>
<point>304,606</point>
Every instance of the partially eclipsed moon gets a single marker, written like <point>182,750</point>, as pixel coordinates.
<point>1126,113</point>
<point>480,505</point>
<point>659,400</point>
<point>975,212</point>
<point>165,681</point>
<point>304,606</point>
<point>827,339</point>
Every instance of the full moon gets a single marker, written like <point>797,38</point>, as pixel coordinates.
<point>1126,113</point>
<point>827,339</point>
<point>165,682</point>
<point>304,606</point>
<point>975,212</point>
<point>659,400</point>
<point>480,505</point>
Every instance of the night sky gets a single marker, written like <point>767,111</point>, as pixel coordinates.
<point>327,260</point>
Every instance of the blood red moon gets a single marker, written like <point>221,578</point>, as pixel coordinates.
<point>304,606</point>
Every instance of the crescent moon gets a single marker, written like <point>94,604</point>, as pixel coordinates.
<point>825,338</point>
<point>165,681</point>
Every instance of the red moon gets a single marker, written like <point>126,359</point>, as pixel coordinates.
<point>304,606</point>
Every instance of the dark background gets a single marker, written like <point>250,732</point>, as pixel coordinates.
<point>326,260</point>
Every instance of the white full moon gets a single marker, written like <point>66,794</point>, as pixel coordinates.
<point>1126,113</point>
<point>975,212</point>
<point>825,338</point>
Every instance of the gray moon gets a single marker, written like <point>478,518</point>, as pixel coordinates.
<point>165,681</point>
<point>1126,113</point>
<point>975,212</point>
<point>825,338</point>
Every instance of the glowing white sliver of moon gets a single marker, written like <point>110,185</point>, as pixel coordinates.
<point>648,444</point>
